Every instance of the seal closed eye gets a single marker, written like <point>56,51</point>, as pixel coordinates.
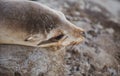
<point>53,39</point>
<point>33,24</point>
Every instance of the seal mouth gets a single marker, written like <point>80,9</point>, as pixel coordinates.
<point>54,41</point>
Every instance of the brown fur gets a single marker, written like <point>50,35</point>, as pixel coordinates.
<point>30,23</point>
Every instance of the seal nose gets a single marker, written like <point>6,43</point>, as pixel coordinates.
<point>83,34</point>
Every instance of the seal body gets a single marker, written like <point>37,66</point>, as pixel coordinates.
<point>33,24</point>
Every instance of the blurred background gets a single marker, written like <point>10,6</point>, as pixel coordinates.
<point>99,54</point>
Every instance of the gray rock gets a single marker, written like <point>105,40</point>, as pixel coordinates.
<point>28,61</point>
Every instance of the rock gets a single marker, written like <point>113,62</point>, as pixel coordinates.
<point>29,61</point>
<point>110,30</point>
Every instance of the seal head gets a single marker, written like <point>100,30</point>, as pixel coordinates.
<point>33,24</point>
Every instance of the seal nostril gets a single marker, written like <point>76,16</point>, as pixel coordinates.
<point>83,34</point>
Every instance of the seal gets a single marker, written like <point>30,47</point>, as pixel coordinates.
<point>33,24</point>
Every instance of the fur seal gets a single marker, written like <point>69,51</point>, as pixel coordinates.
<point>33,24</point>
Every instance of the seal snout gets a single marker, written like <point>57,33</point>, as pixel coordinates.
<point>78,32</point>
<point>82,33</point>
